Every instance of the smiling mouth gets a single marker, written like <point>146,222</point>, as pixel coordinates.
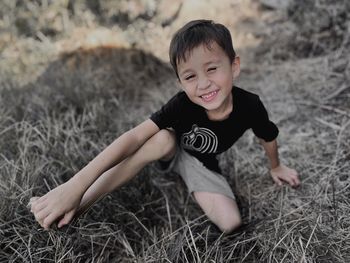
<point>209,96</point>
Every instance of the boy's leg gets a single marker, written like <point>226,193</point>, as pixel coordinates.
<point>220,209</point>
<point>162,145</point>
<point>211,191</point>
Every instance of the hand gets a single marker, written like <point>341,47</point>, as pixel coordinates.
<point>286,174</point>
<point>63,201</point>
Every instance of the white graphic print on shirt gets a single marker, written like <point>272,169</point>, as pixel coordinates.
<point>200,139</point>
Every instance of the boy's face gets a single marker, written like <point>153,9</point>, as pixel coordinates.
<point>207,77</point>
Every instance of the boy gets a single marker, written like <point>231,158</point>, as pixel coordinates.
<point>205,119</point>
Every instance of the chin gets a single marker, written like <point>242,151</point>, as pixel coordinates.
<point>215,103</point>
<point>210,106</point>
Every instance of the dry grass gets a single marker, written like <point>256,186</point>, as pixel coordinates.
<point>57,111</point>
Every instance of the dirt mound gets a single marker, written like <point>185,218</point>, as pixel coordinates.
<point>128,78</point>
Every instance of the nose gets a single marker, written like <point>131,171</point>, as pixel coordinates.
<point>203,82</point>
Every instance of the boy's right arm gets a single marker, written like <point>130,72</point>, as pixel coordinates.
<point>64,200</point>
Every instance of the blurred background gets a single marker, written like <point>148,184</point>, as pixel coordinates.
<point>76,74</point>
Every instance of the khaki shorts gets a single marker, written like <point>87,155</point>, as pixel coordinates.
<point>196,176</point>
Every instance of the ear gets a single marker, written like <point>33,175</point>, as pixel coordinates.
<point>236,67</point>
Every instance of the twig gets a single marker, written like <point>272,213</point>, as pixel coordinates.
<point>308,242</point>
<point>329,124</point>
<point>343,87</point>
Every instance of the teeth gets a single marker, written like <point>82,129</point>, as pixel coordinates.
<point>207,96</point>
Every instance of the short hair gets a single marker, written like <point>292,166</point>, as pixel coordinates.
<point>195,33</point>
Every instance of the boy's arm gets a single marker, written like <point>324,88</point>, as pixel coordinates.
<point>278,171</point>
<point>64,200</point>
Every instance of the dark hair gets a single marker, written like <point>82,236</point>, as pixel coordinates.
<point>199,32</point>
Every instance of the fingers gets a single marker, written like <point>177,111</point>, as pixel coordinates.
<point>285,174</point>
<point>33,199</point>
<point>295,177</point>
<point>277,180</point>
<point>45,217</point>
<point>288,179</point>
<point>36,200</point>
<point>292,178</point>
<point>42,214</point>
<point>66,219</point>
<point>47,222</point>
<point>37,206</point>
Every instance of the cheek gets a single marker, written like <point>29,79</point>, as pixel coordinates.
<point>189,88</point>
<point>228,78</point>
<point>189,92</point>
<point>224,78</point>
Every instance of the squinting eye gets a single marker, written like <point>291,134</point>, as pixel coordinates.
<point>212,69</point>
<point>189,77</point>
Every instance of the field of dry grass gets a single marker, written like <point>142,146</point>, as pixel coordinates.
<point>76,74</point>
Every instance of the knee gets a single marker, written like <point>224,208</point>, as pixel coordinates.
<point>164,143</point>
<point>165,140</point>
<point>229,224</point>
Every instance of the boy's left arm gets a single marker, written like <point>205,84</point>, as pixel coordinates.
<point>278,171</point>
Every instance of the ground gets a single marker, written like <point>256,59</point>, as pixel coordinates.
<point>76,74</point>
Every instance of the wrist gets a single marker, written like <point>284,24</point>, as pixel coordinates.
<point>275,164</point>
<point>77,183</point>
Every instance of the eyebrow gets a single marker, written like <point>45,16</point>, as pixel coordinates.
<point>184,72</point>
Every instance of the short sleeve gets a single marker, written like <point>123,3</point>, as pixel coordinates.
<point>262,126</point>
<point>168,115</point>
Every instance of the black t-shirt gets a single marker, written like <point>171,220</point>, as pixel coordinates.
<point>204,138</point>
